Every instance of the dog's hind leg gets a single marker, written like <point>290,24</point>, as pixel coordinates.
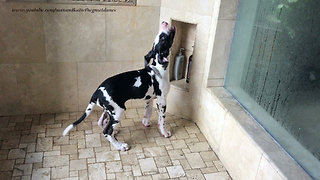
<point>102,120</point>
<point>147,113</point>
<point>108,131</point>
<point>161,105</point>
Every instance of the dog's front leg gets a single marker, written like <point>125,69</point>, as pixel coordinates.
<point>147,113</point>
<point>161,105</point>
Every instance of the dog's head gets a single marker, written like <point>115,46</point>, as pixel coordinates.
<point>159,63</point>
<point>164,40</point>
<point>162,44</point>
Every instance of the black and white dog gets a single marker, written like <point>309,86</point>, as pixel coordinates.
<point>149,83</point>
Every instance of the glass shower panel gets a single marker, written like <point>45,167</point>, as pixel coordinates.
<point>274,72</point>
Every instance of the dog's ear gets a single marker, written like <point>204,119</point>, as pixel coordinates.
<point>147,58</point>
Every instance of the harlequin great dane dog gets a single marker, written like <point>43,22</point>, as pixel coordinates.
<point>149,83</point>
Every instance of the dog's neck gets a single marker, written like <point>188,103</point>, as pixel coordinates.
<point>159,70</point>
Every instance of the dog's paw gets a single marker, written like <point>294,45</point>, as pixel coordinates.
<point>146,122</point>
<point>124,147</point>
<point>167,134</point>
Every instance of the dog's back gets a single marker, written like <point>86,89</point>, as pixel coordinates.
<point>125,86</point>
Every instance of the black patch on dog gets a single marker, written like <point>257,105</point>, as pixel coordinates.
<point>154,63</point>
<point>94,97</point>
<point>151,54</point>
<point>164,44</point>
<point>164,108</point>
<point>164,66</point>
<point>110,108</point>
<point>157,90</point>
<point>109,128</point>
<point>84,115</point>
<point>148,97</point>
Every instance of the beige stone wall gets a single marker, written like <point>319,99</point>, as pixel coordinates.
<point>222,42</point>
<point>52,62</point>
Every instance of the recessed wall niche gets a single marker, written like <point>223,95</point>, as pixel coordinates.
<point>184,38</point>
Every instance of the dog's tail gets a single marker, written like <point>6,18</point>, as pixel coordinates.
<point>86,114</point>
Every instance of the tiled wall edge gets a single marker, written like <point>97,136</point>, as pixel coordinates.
<point>218,95</point>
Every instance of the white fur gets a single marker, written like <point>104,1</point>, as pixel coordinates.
<point>156,40</point>
<point>65,132</point>
<point>147,113</point>
<point>138,82</point>
<point>98,104</point>
<point>118,145</point>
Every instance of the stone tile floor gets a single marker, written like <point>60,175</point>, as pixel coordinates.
<point>32,147</point>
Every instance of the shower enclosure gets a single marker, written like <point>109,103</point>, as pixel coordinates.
<point>274,72</point>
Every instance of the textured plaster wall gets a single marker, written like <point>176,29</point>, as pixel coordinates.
<point>52,62</point>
